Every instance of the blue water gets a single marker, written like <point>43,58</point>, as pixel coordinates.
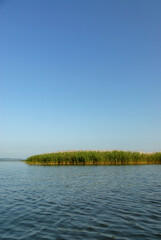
<point>80,202</point>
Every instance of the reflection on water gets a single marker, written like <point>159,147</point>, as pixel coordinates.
<point>80,202</point>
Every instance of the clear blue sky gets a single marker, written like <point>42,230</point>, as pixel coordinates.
<point>79,74</point>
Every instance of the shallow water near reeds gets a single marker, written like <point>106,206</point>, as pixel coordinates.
<point>80,202</point>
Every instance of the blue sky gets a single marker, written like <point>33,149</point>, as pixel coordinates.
<point>82,74</point>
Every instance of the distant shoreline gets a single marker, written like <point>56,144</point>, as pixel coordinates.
<point>10,159</point>
<point>95,158</point>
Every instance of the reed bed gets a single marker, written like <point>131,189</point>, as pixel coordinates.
<point>95,158</point>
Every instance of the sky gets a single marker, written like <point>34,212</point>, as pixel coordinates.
<point>79,75</point>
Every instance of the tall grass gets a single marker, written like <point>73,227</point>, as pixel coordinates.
<point>95,158</point>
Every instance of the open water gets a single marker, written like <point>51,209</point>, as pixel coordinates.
<point>80,202</point>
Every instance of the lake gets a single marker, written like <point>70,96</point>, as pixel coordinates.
<point>79,202</point>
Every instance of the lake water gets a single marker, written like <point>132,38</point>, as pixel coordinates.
<point>80,202</point>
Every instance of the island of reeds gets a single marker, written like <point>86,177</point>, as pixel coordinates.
<point>95,158</point>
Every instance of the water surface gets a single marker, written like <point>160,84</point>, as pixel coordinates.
<point>80,202</point>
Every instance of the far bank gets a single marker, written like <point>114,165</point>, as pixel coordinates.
<point>95,158</point>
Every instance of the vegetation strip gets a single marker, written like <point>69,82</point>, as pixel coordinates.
<point>95,158</point>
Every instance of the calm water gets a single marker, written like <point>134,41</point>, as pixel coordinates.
<point>80,202</point>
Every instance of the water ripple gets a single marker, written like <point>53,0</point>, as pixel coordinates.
<point>91,202</point>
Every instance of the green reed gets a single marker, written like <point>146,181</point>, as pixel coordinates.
<point>95,158</point>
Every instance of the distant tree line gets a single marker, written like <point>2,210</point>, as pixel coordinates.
<point>95,158</point>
